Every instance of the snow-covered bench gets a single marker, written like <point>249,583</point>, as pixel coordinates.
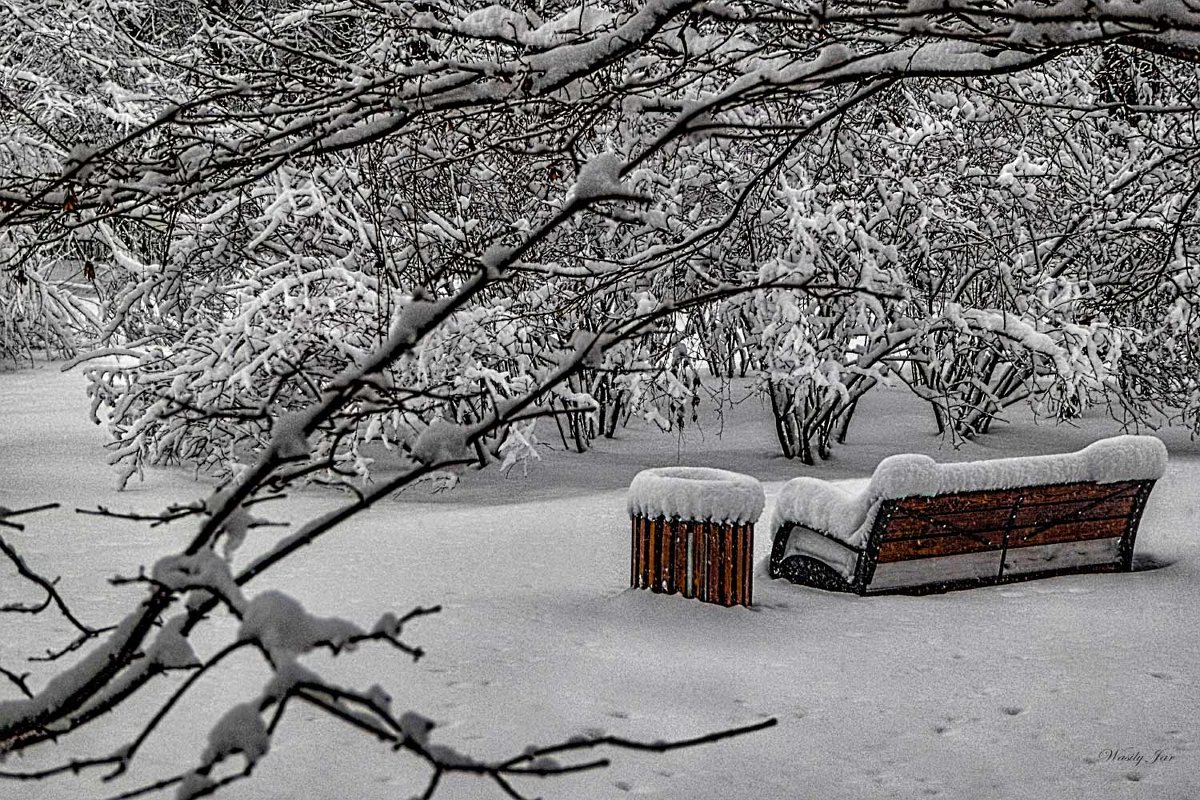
<point>693,533</point>
<point>924,527</point>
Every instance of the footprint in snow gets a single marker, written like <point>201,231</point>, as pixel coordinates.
<point>1012,711</point>
<point>944,726</point>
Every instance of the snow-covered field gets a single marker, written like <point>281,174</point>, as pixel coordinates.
<point>1008,692</point>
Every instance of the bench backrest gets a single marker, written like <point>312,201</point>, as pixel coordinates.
<point>990,536</point>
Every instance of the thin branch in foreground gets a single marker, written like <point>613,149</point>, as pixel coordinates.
<point>9,512</point>
<point>534,762</point>
<point>584,743</point>
<point>169,515</point>
<point>17,680</point>
<point>46,584</point>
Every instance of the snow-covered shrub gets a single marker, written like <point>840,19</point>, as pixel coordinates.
<point>40,315</point>
<point>214,399</point>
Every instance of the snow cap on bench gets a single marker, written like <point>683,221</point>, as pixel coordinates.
<point>696,493</point>
<point>1120,458</point>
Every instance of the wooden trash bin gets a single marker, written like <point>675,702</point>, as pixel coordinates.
<point>693,533</point>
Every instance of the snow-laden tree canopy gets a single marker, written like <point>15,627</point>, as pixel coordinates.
<point>989,203</point>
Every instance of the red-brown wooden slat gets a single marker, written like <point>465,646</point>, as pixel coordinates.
<point>633,551</point>
<point>713,557</point>
<point>722,564</point>
<point>641,553</point>
<point>714,562</point>
<point>749,565</point>
<point>679,563</point>
<point>652,570</point>
<point>742,557</point>
<point>728,542</point>
<point>700,561</point>
<point>929,546</point>
<point>727,549</point>
<point>645,551</point>
<point>736,553</point>
<point>906,525</point>
<point>950,544</point>
<point>739,565</point>
<point>716,559</point>
<point>667,549</point>
<point>664,553</point>
<point>1068,532</point>
<point>1027,516</point>
<point>646,533</point>
<point>644,572</point>
<point>1006,498</point>
<point>687,578</point>
<point>663,557</point>
<point>663,548</point>
<point>709,564</point>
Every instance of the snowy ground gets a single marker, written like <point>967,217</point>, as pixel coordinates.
<point>1006,692</point>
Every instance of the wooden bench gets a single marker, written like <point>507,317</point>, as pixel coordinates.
<point>922,527</point>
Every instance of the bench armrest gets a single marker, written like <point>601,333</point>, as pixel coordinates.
<point>820,506</point>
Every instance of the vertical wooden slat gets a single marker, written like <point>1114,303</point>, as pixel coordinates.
<point>648,553</point>
<point>644,556</point>
<point>641,553</point>
<point>729,545</point>
<point>735,563</point>
<point>714,563</point>
<point>664,553</point>
<point>710,563</point>
<point>669,556</point>
<point>688,577</point>
<point>729,534</point>
<point>749,565</point>
<point>633,549</point>
<point>679,576</point>
<point>727,565</point>
<point>645,573</point>
<point>723,559</point>
<point>655,572</point>
<point>662,556</point>
<point>689,587</point>
<point>667,548</point>
<point>739,561</point>
<point>699,559</point>
<point>666,556</point>
<point>747,558</point>
<point>638,523</point>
